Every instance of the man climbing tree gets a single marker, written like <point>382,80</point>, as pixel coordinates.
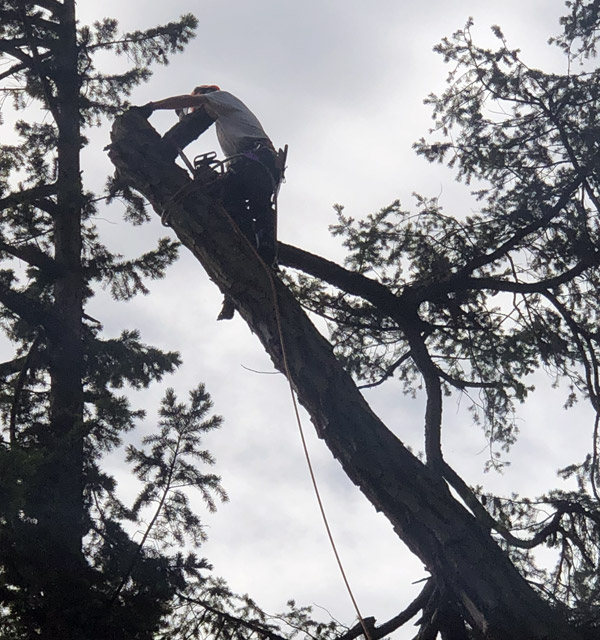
<point>253,172</point>
<point>250,185</point>
<point>470,303</point>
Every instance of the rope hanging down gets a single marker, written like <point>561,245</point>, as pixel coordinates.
<point>288,376</point>
<point>308,460</point>
<point>177,196</point>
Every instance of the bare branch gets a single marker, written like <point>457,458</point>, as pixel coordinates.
<point>254,626</point>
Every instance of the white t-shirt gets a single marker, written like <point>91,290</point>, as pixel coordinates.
<point>237,127</point>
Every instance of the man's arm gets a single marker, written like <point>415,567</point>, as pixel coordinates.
<point>178,102</point>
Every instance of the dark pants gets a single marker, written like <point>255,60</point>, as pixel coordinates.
<point>248,191</point>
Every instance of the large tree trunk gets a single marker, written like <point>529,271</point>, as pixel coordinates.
<point>490,593</point>
<point>62,479</point>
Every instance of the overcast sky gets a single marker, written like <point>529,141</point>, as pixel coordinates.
<point>342,82</point>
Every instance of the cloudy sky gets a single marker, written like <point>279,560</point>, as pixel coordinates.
<point>342,82</point>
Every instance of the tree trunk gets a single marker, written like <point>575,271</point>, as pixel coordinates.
<point>491,594</point>
<point>62,519</point>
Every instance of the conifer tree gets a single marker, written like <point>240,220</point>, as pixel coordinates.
<point>458,304</point>
<point>69,566</point>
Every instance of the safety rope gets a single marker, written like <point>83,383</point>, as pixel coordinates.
<point>307,456</point>
<point>164,217</point>
<point>288,376</point>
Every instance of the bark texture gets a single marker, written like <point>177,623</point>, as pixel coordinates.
<point>484,585</point>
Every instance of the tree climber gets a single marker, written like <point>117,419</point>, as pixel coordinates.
<point>253,175</point>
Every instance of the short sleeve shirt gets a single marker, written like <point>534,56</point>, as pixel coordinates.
<point>237,127</point>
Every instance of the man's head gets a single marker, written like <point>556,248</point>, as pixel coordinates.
<point>205,88</point>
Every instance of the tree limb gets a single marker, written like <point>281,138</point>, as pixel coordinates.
<point>403,617</point>
<point>400,307</point>
<point>520,234</point>
<point>484,516</point>
<point>253,626</point>
<point>31,195</point>
<point>11,367</point>
<point>423,512</point>
<point>28,309</point>
<point>32,255</point>
<point>19,386</point>
<point>454,284</point>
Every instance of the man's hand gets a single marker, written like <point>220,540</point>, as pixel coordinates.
<point>145,110</point>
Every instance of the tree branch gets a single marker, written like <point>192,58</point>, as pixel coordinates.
<point>410,612</point>
<point>454,284</point>
<point>11,367</point>
<point>28,309</point>
<point>520,234</point>
<point>253,626</point>
<point>484,516</point>
<point>399,307</point>
<point>30,195</point>
<point>19,386</point>
<point>388,372</point>
<point>420,506</point>
<point>37,59</point>
<point>32,255</point>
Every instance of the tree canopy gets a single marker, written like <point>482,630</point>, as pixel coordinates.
<point>458,304</point>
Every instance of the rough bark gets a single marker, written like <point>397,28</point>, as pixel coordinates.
<point>488,590</point>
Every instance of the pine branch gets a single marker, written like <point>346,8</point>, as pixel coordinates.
<point>521,234</point>
<point>388,373</point>
<point>32,255</point>
<point>13,70</point>
<point>51,100</point>
<point>19,386</point>
<point>454,284</point>
<point>29,196</point>
<point>28,309</point>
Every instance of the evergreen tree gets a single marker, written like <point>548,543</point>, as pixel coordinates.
<point>458,304</point>
<point>69,566</point>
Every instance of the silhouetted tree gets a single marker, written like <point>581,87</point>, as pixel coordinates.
<point>69,567</point>
<point>467,304</point>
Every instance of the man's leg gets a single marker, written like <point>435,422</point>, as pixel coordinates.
<point>265,231</point>
<point>235,200</point>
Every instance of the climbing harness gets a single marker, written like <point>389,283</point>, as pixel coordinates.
<point>207,170</point>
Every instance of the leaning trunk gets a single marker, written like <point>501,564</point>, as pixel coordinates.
<point>488,590</point>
